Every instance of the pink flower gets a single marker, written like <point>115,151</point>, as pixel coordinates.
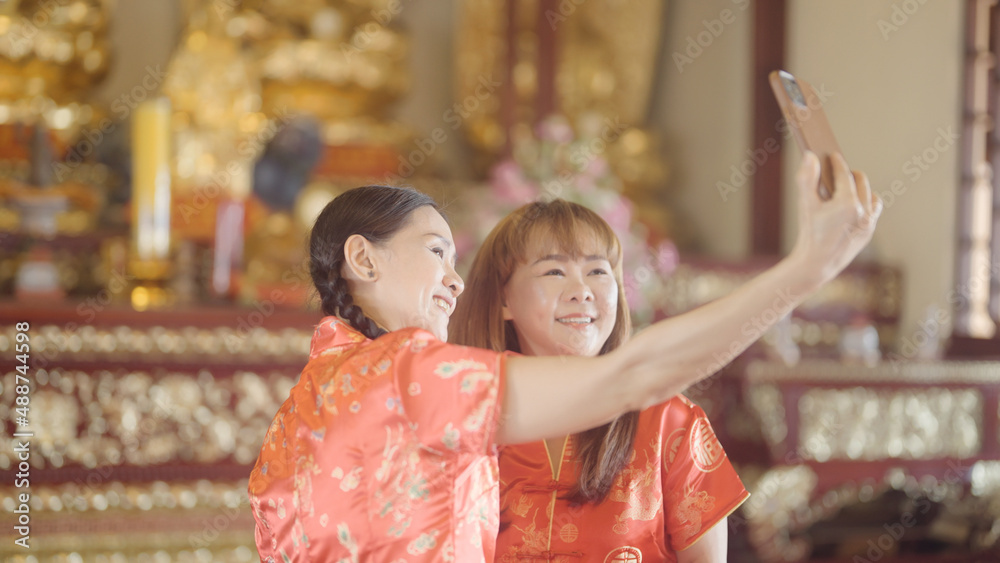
<point>585,184</point>
<point>510,185</point>
<point>619,215</point>
<point>667,257</point>
<point>555,128</point>
<point>633,293</point>
<point>596,167</point>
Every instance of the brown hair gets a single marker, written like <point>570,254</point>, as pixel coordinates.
<point>374,212</point>
<point>478,319</point>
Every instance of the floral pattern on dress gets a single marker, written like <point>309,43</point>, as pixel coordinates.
<point>384,451</point>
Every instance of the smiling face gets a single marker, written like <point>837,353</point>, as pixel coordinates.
<point>547,280</point>
<point>416,285</point>
<point>562,303</point>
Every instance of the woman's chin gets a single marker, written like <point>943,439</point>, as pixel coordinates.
<point>439,330</point>
<point>563,349</point>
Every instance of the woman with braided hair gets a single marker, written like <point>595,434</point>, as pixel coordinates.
<point>386,449</point>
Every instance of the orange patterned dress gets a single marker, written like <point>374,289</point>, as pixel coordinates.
<point>678,485</point>
<point>384,451</point>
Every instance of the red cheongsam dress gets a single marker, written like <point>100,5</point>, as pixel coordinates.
<point>384,452</point>
<point>678,485</point>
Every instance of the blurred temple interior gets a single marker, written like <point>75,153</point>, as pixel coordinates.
<point>161,164</point>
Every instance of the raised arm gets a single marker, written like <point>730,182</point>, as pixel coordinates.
<point>555,396</point>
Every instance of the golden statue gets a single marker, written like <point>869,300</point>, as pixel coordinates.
<point>592,61</point>
<point>52,55</point>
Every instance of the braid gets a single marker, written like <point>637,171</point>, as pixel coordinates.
<point>374,212</point>
<point>337,300</point>
<point>341,298</point>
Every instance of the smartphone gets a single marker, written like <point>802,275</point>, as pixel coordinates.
<point>803,110</point>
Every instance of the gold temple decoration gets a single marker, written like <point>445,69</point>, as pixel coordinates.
<point>842,417</point>
<point>786,501</point>
<point>51,54</point>
<point>214,88</point>
<point>96,519</point>
<point>202,346</point>
<point>150,437</point>
<point>101,495</point>
<point>217,123</point>
<point>344,64</point>
<point>986,478</point>
<point>606,53</point>
<point>877,294</point>
<point>245,69</point>
<point>334,60</point>
<point>920,425</point>
<point>150,260</point>
<point>892,372</point>
<point>141,419</point>
<point>516,59</point>
<point>872,424</point>
<point>776,498</point>
<point>766,401</point>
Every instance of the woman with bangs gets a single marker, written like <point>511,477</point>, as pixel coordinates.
<point>386,447</point>
<point>652,484</point>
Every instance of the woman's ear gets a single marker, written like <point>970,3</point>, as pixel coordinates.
<point>358,258</point>
<point>506,310</point>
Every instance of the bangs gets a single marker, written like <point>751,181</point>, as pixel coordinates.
<point>560,226</point>
<point>532,231</point>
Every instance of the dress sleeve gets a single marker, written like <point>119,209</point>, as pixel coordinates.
<point>700,486</point>
<point>451,394</point>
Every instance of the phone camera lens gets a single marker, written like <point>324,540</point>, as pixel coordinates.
<point>792,87</point>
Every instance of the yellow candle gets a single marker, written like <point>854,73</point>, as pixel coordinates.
<point>151,179</point>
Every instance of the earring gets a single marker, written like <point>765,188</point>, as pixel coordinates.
<point>371,274</point>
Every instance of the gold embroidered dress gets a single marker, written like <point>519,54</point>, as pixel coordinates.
<point>678,485</point>
<point>384,451</point>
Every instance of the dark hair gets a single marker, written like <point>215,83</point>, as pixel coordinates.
<point>478,319</point>
<point>374,212</point>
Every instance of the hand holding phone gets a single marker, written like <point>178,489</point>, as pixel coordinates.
<point>803,110</point>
